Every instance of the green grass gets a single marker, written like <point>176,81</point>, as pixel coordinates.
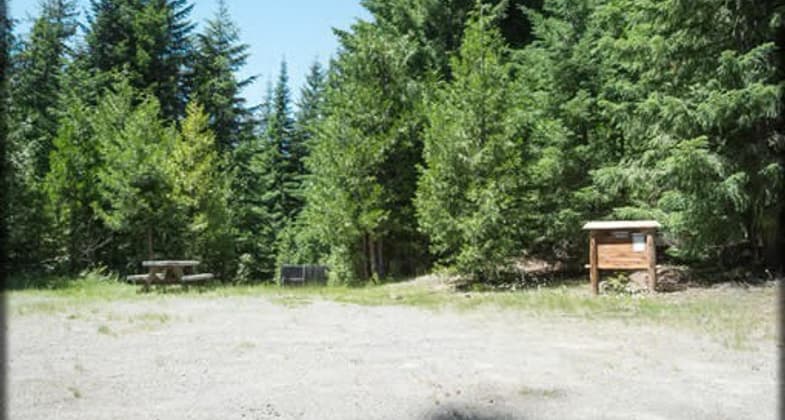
<point>540,392</point>
<point>291,301</point>
<point>150,317</point>
<point>246,345</point>
<point>732,315</point>
<point>37,307</point>
<point>75,391</point>
<point>103,329</point>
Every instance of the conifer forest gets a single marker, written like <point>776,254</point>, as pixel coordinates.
<point>463,135</point>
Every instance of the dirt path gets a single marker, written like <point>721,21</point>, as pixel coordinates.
<point>249,358</point>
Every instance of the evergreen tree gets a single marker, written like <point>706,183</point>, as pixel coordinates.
<point>665,115</point>
<point>687,154</point>
<point>286,154</point>
<point>436,26</point>
<point>254,193</point>
<point>264,111</point>
<point>37,79</point>
<point>255,222</point>
<point>149,39</point>
<point>296,243</point>
<point>473,131</point>
<point>310,110</point>
<point>277,163</point>
<point>561,79</point>
<point>468,200</point>
<point>363,160</point>
<point>35,86</point>
<point>213,82</point>
<point>135,191</point>
<point>201,192</point>
<point>72,182</point>
<point>5,46</point>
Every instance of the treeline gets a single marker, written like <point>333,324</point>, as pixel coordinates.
<point>456,132</point>
<point>131,140</point>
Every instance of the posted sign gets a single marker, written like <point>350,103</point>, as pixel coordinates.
<point>621,245</point>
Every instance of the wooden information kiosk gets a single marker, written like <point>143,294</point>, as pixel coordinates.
<point>622,245</point>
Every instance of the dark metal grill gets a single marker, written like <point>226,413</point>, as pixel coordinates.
<point>301,274</point>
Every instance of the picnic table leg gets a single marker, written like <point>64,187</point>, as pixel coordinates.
<point>174,274</point>
<point>178,275</point>
<point>182,271</point>
<point>149,280</point>
<point>188,270</point>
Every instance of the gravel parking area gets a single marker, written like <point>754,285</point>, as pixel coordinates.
<point>181,357</point>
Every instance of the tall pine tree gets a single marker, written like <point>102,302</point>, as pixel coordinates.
<point>5,46</point>
<point>37,79</point>
<point>468,200</point>
<point>35,87</point>
<point>200,189</point>
<point>135,190</point>
<point>287,151</point>
<point>213,80</point>
<point>363,159</point>
<point>257,214</point>
<point>148,39</point>
<point>296,243</point>
<point>671,114</point>
<point>310,110</point>
<point>72,182</point>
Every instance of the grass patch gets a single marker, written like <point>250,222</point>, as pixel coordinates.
<point>88,288</point>
<point>103,329</point>
<point>75,391</point>
<point>150,317</point>
<point>540,392</point>
<point>291,301</point>
<point>735,316</point>
<point>42,307</point>
<point>246,345</point>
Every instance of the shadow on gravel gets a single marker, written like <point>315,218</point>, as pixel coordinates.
<point>465,413</point>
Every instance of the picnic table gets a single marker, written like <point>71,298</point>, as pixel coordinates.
<point>169,272</point>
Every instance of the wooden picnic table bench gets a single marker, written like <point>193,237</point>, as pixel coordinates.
<point>169,272</point>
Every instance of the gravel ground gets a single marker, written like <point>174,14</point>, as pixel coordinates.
<point>250,358</point>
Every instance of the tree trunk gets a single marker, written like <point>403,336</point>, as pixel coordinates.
<point>372,255</point>
<point>366,275</point>
<point>380,257</point>
<point>775,248</point>
<point>73,242</point>
<point>150,243</point>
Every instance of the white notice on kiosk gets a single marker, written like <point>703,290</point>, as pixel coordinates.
<point>638,242</point>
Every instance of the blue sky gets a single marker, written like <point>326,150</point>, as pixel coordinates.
<point>297,30</point>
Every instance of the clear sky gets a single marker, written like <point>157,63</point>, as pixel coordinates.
<point>297,30</point>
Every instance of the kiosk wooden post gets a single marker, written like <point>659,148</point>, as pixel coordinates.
<point>651,250</point>
<point>594,272</point>
<point>622,245</point>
